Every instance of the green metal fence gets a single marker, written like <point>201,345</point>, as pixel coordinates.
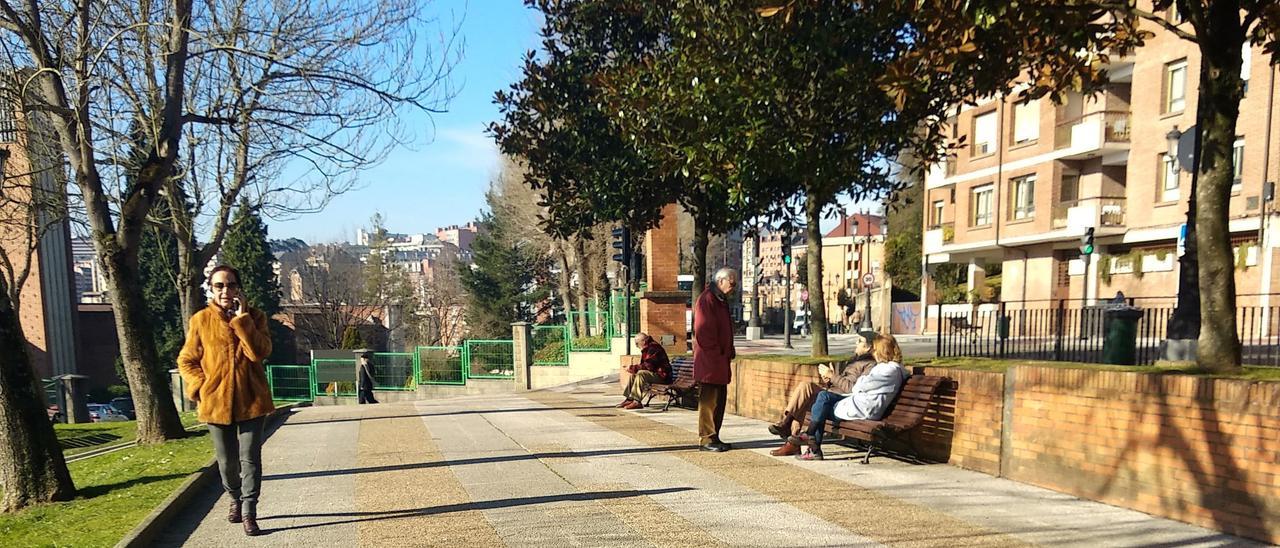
<point>393,371</point>
<point>441,364</point>
<point>334,376</point>
<point>550,345</point>
<point>596,336</point>
<point>291,382</point>
<point>617,313</point>
<point>493,359</point>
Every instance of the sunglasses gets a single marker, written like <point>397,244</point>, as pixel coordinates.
<point>228,285</point>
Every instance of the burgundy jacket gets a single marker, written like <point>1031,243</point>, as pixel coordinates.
<point>654,358</point>
<point>712,339</point>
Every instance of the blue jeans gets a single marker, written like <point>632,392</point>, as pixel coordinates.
<point>823,410</point>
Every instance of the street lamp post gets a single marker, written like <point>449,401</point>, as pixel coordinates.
<point>1183,330</point>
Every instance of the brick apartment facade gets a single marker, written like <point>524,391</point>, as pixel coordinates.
<point>1031,178</point>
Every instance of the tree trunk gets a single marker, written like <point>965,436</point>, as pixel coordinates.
<point>191,296</point>
<point>1220,94</point>
<point>813,258</point>
<point>580,271</point>
<point>566,300</point>
<point>701,240</point>
<point>32,469</point>
<point>148,382</point>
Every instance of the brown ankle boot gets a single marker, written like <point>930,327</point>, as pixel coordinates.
<point>233,515</point>
<point>251,525</point>
<point>786,450</point>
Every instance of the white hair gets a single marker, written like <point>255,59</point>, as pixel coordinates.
<point>725,273</point>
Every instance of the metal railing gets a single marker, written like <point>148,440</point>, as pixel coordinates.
<point>550,345</point>
<point>597,334</point>
<point>291,382</point>
<point>326,373</point>
<point>492,359</point>
<point>1073,331</point>
<point>393,371</point>
<point>441,364</point>
<point>1111,211</point>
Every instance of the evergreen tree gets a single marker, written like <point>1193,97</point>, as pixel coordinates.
<point>246,249</point>
<point>352,340</point>
<point>508,283</point>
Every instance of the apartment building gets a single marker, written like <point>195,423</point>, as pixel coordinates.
<point>851,250</point>
<point>1033,176</point>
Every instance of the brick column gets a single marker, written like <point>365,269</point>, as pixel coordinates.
<point>522,346</point>
<point>662,305</point>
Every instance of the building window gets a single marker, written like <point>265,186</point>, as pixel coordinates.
<point>1022,191</point>
<point>1175,86</point>
<point>1026,122</point>
<point>1246,58</point>
<point>1237,165</point>
<point>1168,178</point>
<point>981,200</point>
<point>936,212</point>
<point>1069,192</point>
<point>984,134</point>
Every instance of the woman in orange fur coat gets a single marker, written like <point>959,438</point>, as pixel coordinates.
<point>222,364</point>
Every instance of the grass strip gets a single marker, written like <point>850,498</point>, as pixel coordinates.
<point>116,492</point>
<point>1249,373</point>
<point>79,438</point>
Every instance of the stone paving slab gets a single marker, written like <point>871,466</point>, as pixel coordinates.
<point>563,468</point>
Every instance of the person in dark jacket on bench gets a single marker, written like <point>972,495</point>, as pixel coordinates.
<point>654,368</point>
<point>804,394</point>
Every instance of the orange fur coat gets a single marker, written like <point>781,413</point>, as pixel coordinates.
<point>222,364</point>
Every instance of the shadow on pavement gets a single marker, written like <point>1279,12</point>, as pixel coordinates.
<point>451,414</point>
<point>482,460</point>
<point>358,517</point>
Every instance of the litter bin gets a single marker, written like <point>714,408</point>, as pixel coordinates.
<point>1002,327</point>
<point>1120,345</point>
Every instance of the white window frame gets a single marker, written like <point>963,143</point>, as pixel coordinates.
<point>981,196</point>
<point>1170,180</point>
<point>1176,103</point>
<point>1022,190</point>
<point>1026,122</point>
<point>980,123</point>
<point>1246,60</point>
<point>938,207</point>
<point>1237,165</point>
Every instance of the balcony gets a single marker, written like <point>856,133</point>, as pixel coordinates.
<point>1094,134</point>
<point>939,235</point>
<point>1095,212</point>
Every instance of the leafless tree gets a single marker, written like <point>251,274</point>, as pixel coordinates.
<point>32,468</point>
<point>329,284</point>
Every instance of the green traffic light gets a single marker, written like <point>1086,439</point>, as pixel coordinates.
<point>1088,250</point>
<point>786,259</point>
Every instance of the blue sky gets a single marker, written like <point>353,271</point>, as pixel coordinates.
<point>443,181</point>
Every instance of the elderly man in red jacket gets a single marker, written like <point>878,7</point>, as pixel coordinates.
<point>712,353</point>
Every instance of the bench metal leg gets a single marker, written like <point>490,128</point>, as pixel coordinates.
<point>871,448</point>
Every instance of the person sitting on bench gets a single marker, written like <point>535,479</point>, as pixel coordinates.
<point>804,394</point>
<point>871,397</point>
<point>654,367</point>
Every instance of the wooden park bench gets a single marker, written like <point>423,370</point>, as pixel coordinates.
<point>682,383</point>
<point>961,323</point>
<point>904,415</point>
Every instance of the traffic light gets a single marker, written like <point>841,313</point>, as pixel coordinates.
<point>786,242</point>
<point>637,267</point>
<point>1086,242</point>
<point>622,243</point>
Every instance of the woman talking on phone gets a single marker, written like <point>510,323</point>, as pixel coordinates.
<point>222,364</point>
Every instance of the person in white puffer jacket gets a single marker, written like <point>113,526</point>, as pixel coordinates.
<point>871,397</point>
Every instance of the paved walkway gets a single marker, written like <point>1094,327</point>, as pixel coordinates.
<point>563,468</point>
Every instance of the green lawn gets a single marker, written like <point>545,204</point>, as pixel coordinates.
<point>78,438</point>
<point>116,491</point>
<point>987,364</point>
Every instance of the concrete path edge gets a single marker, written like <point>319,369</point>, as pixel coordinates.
<point>147,531</point>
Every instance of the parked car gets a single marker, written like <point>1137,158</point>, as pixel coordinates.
<point>124,405</point>
<point>101,412</point>
<point>55,415</point>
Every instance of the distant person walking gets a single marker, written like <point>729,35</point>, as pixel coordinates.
<point>712,353</point>
<point>364,378</point>
<point>222,365</point>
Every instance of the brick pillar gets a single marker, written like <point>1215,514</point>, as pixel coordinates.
<point>662,305</point>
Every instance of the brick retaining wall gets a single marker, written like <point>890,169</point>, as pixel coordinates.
<point>1204,451</point>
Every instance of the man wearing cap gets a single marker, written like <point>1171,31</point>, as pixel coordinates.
<point>802,397</point>
<point>364,378</point>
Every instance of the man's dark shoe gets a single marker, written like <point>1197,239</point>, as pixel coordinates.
<point>233,515</point>
<point>251,526</point>
<point>781,430</point>
<point>715,447</point>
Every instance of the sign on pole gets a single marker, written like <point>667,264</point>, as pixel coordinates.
<point>868,279</point>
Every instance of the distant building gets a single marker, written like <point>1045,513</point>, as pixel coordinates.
<point>460,236</point>
<point>851,250</point>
